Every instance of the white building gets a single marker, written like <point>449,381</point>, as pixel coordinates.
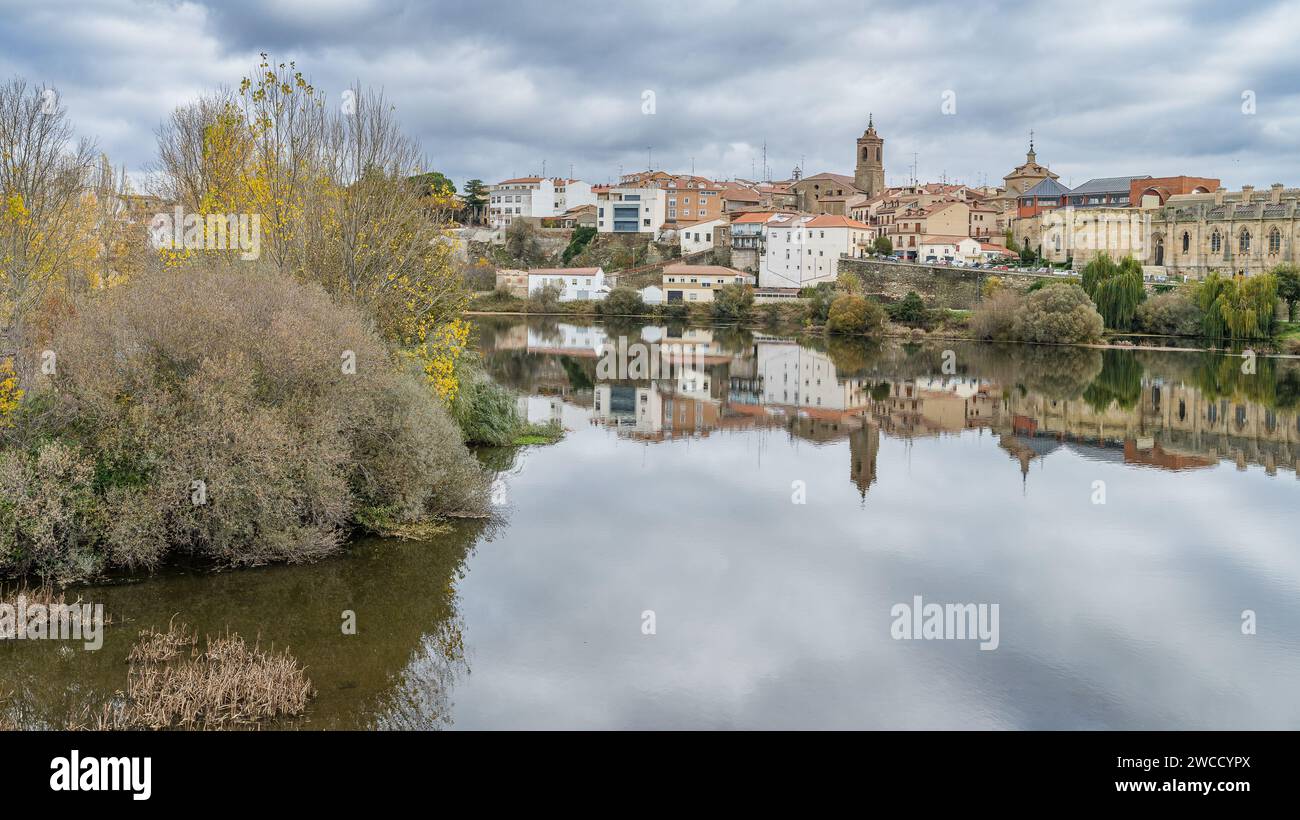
<point>535,197</point>
<point>652,295</point>
<point>795,375</point>
<point>948,249</point>
<point>700,236</point>
<point>803,250</point>
<point>630,210</point>
<point>574,283</point>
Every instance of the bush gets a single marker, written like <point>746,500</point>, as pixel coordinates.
<point>733,303</point>
<point>909,310</point>
<point>1059,313</point>
<point>1174,313</point>
<point>623,301</point>
<point>217,414</point>
<point>995,317</point>
<point>820,298</point>
<point>486,411</point>
<point>855,315</point>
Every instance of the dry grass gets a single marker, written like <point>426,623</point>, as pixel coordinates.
<point>227,684</point>
<point>45,595</point>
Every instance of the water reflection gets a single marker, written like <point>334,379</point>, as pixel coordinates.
<point>1175,411</point>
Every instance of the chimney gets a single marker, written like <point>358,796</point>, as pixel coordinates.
<point>1275,193</point>
<point>1247,191</point>
<point>1218,195</point>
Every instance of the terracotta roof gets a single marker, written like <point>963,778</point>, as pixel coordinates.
<point>702,270</point>
<point>752,216</point>
<point>840,178</point>
<point>722,219</point>
<point>943,239</point>
<point>831,221</point>
<point>518,180</point>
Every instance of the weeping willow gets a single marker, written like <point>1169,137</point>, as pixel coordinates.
<point>1237,308</point>
<point>1115,288</point>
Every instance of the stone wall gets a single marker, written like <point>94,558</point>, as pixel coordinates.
<point>955,288</point>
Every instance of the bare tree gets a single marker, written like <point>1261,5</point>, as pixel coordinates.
<point>44,174</point>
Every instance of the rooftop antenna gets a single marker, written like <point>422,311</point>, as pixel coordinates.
<point>649,158</point>
<point>543,169</point>
<point>767,177</point>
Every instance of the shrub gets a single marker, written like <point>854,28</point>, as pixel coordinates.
<point>820,298</point>
<point>486,411</point>
<point>733,302</point>
<point>1059,313</point>
<point>855,315</point>
<point>909,310</point>
<point>218,414</point>
<point>623,301</point>
<point>1174,313</point>
<point>995,317</point>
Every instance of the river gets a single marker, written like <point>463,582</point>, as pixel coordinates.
<point>729,546</point>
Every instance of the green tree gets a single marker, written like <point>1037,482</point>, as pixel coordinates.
<point>909,310</point>
<point>476,197</point>
<point>1115,288</point>
<point>1288,287</point>
<point>883,246</point>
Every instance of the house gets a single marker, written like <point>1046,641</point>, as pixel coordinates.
<point>701,236</point>
<point>802,250</point>
<point>940,248</point>
<point>574,283</point>
<point>513,281</point>
<point>535,197</point>
<point>697,283</point>
<point>630,210</point>
<point>1045,196</point>
<point>940,218</point>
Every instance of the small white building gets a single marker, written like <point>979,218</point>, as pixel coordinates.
<point>574,283</point>
<point>652,295</point>
<point>630,210</point>
<point>948,249</point>
<point>802,250</point>
<point>700,236</point>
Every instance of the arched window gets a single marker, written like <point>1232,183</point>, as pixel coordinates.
<point>1216,242</point>
<point>1243,242</point>
<point>1187,241</point>
<point>1274,241</point>
<point>1182,410</point>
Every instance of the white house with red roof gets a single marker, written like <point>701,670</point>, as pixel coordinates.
<point>802,250</point>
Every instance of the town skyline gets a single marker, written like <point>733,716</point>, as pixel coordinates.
<point>492,100</point>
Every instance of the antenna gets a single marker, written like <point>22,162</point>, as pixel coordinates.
<point>649,158</point>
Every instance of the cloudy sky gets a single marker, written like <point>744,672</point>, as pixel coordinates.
<point>494,89</point>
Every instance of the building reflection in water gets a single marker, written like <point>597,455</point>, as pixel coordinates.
<point>754,382</point>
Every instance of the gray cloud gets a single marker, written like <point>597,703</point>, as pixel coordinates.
<point>494,89</point>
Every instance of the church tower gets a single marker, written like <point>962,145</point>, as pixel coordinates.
<point>870,174</point>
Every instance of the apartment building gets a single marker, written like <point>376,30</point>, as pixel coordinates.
<point>802,250</point>
<point>535,197</point>
<point>630,210</point>
<point>697,283</point>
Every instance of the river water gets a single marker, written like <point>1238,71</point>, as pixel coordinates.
<point>757,538</point>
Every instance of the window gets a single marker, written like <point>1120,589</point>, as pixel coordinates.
<point>1243,242</point>
<point>1216,242</point>
<point>1187,241</point>
<point>1274,241</point>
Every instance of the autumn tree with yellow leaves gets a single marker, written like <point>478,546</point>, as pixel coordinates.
<point>328,179</point>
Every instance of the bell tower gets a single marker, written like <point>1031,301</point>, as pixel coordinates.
<point>869,176</point>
